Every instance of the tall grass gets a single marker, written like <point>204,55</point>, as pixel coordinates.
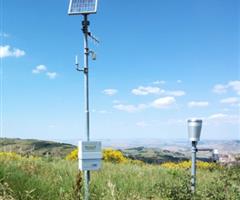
<point>40,179</point>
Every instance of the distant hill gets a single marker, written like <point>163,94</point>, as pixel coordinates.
<point>35,147</point>
<point>153,152</point>
<point>182,146</point>
<point>154,155</point>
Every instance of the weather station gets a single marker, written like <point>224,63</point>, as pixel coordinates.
<point>194,132</point>
<point>89,152</point>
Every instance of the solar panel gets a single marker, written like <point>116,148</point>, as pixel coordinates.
<point>77,7</point>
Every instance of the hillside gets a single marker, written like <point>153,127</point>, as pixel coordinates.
<point>153,155</point>
<point>55,149</point>
<point>35,147</point>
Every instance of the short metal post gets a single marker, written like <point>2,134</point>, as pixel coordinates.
<point>85,25</point>
<point>193,174</point>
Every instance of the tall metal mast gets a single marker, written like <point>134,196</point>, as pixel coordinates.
<point>85,24</point>
<point>85,7</point>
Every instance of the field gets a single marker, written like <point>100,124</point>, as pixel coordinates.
<point>23,178</point>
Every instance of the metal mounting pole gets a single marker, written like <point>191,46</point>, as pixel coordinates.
<point>85,24</point>
<point>193,174</point>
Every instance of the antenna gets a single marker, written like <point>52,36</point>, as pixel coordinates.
<point>76,62</point>
<point>94,38</point>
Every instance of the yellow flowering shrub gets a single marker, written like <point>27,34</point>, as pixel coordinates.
<point>9,156</point>
<point>188,164</point>
<point>114,156</point>
<point>109,155</point>
<point>73,155</point>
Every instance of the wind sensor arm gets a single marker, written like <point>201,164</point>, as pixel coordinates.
<point>84,69</point>
<point>85,24</point>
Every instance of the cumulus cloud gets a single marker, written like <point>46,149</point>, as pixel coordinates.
<point>198,104</point>
<point>160,103</point>
<point>7,51</point>
<point>217,116</point>
<point>235,85</point>
<point>164,102</point>
<point>43,69</point>
<point>220,89</point>
<point>220,118</point>
<point>130,108</point>
<point>39,69</point>
<point>51,75</point>
<point>230,100</point>
<point>142,91</point>
<point>110,92</point>
<point>223,88</point>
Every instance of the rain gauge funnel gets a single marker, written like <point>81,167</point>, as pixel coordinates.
<point>194,129</point>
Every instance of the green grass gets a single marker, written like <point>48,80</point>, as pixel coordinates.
<point>42,179</point>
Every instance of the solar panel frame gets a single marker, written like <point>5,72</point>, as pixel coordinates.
<point>81,11</point>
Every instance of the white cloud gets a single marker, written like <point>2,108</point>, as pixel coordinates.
<point>220,118</point>
<point>231,85</point>
<point>7,51</point>
<point>235,85</point>
<point>164,102</point>
<point>18,53</point>
<point>143,91</point>
<point>130,108</point>
<point>179,81</point>
<point>159,103</point>
<point>38,69</point>
<point>147,90</point>
<point>220,89</point>
<point>142,124</point>
<point>198,104</point>
<point>51,75</point>
<point>176,93</point>
<point>110,92</point>
<point>43,69</point>
<point>159,82</point>
<point>230,100</point>
<point>217,116</point>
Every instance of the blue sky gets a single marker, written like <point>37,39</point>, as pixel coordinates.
<point>157,65</point>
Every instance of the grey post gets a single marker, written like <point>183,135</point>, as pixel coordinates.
<point>85,24</point>
<point>194,131</point>
<point>193,174</point>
